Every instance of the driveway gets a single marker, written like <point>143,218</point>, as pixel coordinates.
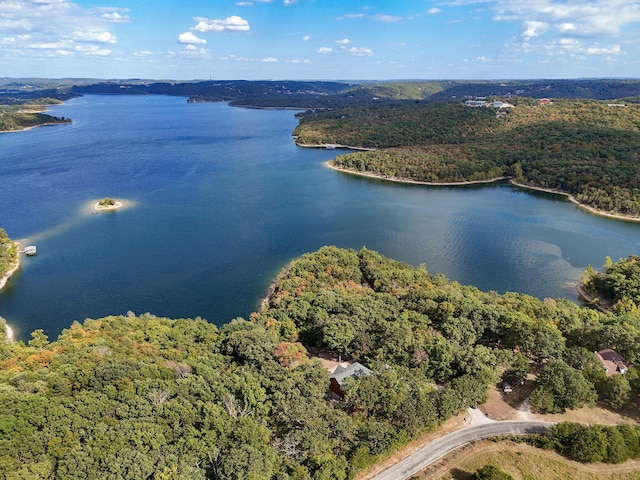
<point>480,428</point>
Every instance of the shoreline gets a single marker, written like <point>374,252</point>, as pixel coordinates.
<point>570,197</point>
<point>5,278</point>
<point>40,109</point>
<point>415,182</point>
<point>335,146</point>
<point>24,129</point>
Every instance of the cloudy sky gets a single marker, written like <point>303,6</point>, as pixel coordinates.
<point>320,39</point>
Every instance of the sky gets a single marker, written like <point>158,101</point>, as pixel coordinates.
<point>320,39</point>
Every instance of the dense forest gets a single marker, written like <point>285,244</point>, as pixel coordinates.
<point>321,94</point>
<point>584,148</point>
<point>617,286</point>
<point>145,397</point>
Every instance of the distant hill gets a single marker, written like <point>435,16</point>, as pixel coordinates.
<point>216,90</point>
<point>320,94</point>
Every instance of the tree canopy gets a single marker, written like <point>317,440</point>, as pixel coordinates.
<point>146,397</point>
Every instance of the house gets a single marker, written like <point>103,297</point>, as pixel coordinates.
<point>612,362</point>
<point>341,374</point>
<point>498,104</point>
<point>545,101</point>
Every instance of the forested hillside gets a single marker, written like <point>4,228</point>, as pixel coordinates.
<point>587,149</point>
<point>618,285</point>
<point>8,253</point>
<point>20,118</point>
<point>146,397</point>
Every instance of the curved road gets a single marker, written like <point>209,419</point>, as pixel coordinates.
<point>444,445</point>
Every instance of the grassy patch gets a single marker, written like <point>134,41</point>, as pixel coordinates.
<point>523,462</point>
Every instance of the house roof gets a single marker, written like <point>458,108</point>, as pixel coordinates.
<point>355,370</point>
<point>612,361</point>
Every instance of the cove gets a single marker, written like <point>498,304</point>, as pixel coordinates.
<point>219,199</point>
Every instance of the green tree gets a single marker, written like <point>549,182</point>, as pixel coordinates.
<point>491,472</point>
<point>561,387</point>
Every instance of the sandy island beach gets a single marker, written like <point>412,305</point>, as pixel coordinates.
<point>571,198</point>
<point>99,208</point>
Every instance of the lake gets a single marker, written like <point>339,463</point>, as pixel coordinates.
<point>219,199</point>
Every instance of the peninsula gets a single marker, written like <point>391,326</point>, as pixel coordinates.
<point>586,150</point>
<point>18,118</point>
<point>176,389</point>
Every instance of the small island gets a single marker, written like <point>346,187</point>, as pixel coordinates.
<point>107,204</point>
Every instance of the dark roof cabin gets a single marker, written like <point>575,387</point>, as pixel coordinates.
<point>340,375</point>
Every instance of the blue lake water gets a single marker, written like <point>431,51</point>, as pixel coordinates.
<point>220,199</point>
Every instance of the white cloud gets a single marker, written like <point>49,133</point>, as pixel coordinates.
<point>386,18</point>
<point>58,26</point>
<point>191,51</point>
<point>97,37</point>
<point>603,17</point>
<point>433,11</point>
<point>188,37</point>
<point>360,52</point>
<point>483,59</point>
<point>344,41</point>
<point>233,23</point>
<point>566,27</point>
<point>237,58</point>
<point>115,17</point>
<point>50,45</point>
<point>575,26</point>
<point>533,29</point>
<point>615,50</point>
<point>295,60</point>
<point>306,38</point>
<point>355,51</point>
<point>143,53</point>
<point>92,50</point>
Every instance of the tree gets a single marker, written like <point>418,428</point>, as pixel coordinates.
<point>615,390</point>
<point>561,387</point>
<point>491,472</point>
<point>339,334</point>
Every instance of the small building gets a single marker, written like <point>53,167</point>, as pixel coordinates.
<point>499,104</point>
<point>31,250</point>
<point>545,101</point>
<point>340,374</point>
<point>612,362</point>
